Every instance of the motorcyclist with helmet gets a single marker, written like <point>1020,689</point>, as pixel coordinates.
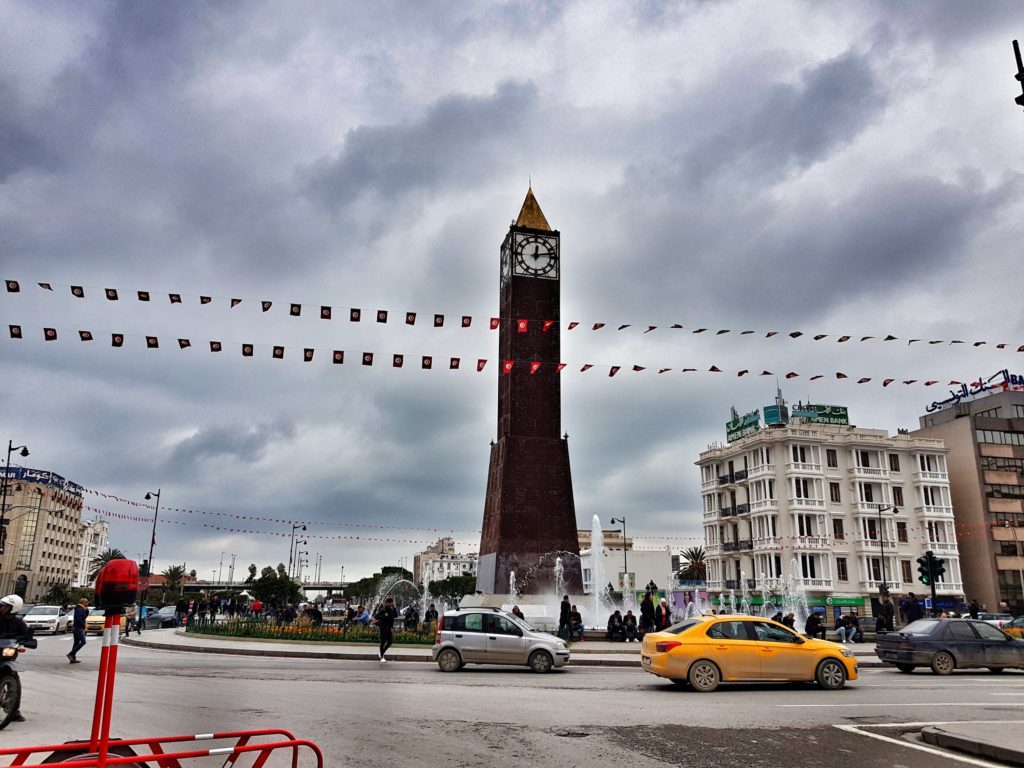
<point>13,628</point>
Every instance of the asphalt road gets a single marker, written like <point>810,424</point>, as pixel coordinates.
<point>398,714</point>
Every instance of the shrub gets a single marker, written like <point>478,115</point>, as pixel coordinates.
<point>301,629</point>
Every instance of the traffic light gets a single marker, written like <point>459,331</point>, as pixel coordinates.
<point>924,568</point>
<point>938,568</point>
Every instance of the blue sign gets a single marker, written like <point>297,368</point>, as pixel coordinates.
<point>42,477</point>
<point>999,380</point>
<point>776,414</point>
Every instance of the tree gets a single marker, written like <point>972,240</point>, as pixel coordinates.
<point>104,557</point>
<point>453,588</point>
<point>252,573</point>
<point>696,568</point>
<point>274,587</point>
<point>173,577</point>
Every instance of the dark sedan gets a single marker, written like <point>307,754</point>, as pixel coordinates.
<point>948,644</point>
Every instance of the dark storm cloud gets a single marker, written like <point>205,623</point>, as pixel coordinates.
<point>22,145</point>
<point>459,141</point>
<point>793,126</point>
<point>242,442</point>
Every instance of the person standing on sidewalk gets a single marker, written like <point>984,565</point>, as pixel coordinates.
<point>78,629</point>
<point>385,621</point>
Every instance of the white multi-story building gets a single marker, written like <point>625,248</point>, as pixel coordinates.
<point>837,510</point>
<point>440,560</point>
<point>95,539</point>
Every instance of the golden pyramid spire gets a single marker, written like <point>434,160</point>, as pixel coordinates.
<point>531,215</point>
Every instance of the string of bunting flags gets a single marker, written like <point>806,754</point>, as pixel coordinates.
<point>427,362</point>
<point>438,320</point>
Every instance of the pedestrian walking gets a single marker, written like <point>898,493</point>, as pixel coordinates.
<point>887,615</point>
<point>974,608</point>
<point>385,621</point>
<point>646,614</point>
<point>662,615</point>
<point>911,608</point>
<point>78,629</point>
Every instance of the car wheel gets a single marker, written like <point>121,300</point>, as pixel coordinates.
<point>995,670</point>
<point>541,661</point>
<point>703,676</point>
<point>449,660</point>
<point>943,663</point>
<point>906,668</point>
<point>831,675</point>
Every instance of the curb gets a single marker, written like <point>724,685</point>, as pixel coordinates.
<point>937,736</point>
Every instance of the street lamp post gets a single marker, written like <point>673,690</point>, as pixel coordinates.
<point>22,451</point>
<point>231,570</point>
<point>883,588</point>
<point>291,549</point>
<point>625,561</point>
<point>152,539</point>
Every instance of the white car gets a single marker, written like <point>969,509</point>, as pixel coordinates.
<point>996,619</point>
<point>48,618</point>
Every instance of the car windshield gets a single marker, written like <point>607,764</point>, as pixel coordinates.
<point>921,627</point>
<point>678,629</point>
<point>97,612</point>
<point>167,609</point>
<point>43,610</point>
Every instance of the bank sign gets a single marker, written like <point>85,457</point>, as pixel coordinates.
<point>822,414</point>
<point>1000,380</point>
<point>741,426</point>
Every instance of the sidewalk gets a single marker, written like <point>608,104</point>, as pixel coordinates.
<point>991,740</point>
<point>590,653</point>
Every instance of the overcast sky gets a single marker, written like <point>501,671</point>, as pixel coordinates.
<point>831,168</point>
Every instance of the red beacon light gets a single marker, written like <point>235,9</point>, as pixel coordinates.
<point>117,585</point>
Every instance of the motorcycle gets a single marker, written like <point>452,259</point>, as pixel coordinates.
<point>10,683</point>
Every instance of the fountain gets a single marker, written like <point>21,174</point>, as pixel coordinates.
<point>794,596</point>
<point>744,594</point>
<point>559,578</point>
<point>513,590</point>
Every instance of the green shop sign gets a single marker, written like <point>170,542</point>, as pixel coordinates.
<point>741,426</point>
<point>822,414</point>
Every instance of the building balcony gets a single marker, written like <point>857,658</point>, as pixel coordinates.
<point>941,546</point>
<point>806,503</point>
<point>728,511</point>
<point>934,511</point>
<point>765,505</point>
<point>729,479</point>
<point>873,585</point>
<point>762,470</point>
<point>875,545</point>
<point>712,549</point>
<point>868,507</point>
<point>815,583</point>
<point>715,586</point>
<point>712,515</point>
<point>942,477</point>
<point>729,546</point>
<point>744,544</point>
<point>870,473</point>
<point>812,542</point>
<point>742,509</point>
<point>740,475</point>
<point>707,485</point>
<point>798,466</point>
<point>769,542</point>
<point>948,588</point>
<point>840,545</point>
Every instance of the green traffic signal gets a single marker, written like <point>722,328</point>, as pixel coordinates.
<point>925,568</point>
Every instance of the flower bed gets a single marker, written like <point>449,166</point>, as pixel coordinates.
<point>301,629</point>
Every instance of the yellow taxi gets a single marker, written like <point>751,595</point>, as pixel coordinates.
<point>97,616</point>
<point>709,650</point>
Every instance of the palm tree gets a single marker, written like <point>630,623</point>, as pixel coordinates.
<point>695,567</point>
<point>173,577</point>
<point>104,557</point>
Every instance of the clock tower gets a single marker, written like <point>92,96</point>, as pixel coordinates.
<point>529,514</point>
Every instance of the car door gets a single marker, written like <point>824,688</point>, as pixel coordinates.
<point>469,637</point>
<point>1000,649</point>
<point>965,643</point>
<point>505,641</point>
<point>784,654</point>
<point>733,650</point>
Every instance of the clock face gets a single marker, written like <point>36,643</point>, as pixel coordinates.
<point>536,257</point>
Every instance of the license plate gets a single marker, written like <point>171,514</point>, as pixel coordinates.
<point>645,660</point>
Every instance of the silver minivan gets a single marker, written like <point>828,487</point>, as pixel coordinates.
<point>492,636</point>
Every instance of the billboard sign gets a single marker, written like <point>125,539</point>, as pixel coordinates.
<point>822,414</point>
<point>741,426</point>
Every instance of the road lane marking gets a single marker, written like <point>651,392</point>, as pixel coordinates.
<point>924,747</point>
<point>913,704</point>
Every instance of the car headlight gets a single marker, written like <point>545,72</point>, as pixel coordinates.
<point>846,652</point>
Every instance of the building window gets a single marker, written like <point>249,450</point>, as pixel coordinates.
<point>908,577</point>
<point>837,530</point>
<point>841,573</point>
<point>901,532</point>
<point>834,493</point>
<point>894,462</point>
<point>875,568</point>
<point>1018,411</point>
<point>897,496</point>
<point>991,413</point>
<point>831,457</point>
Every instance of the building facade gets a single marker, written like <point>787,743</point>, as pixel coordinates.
<point>41,531</point>
<point>985,437</point>
<point>838,512</point>
<point>440,561</point>
<point>95,539</point>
